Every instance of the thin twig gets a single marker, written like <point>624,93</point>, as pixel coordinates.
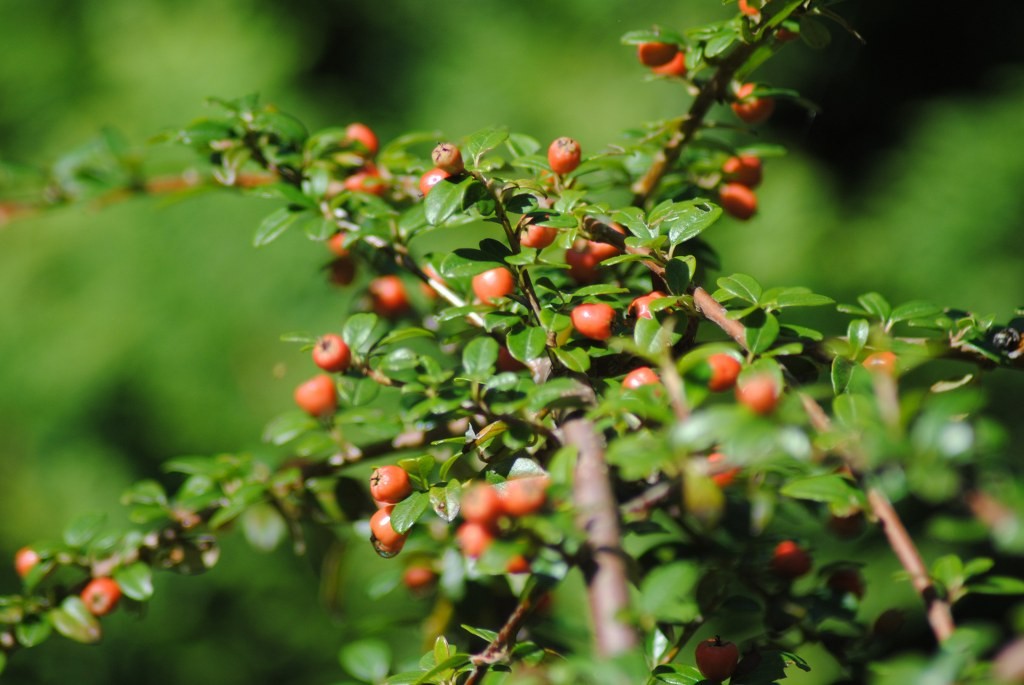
<point>597,516</point>
<point>498,649</point>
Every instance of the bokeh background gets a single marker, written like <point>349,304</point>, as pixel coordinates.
<point>144,330</point>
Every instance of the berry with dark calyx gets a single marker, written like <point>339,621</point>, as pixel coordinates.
<point>336,244</point>
<point>790,560</point>
<point>389,297</point>
<point>318,396</point>
<point>717,660</point>
<point>881,362</point>
<point>641,376</point>
<point>759,393</point>
<point>390,484</point>
<point>846,580</point>
<point>101,596</point>
<point>380,527</point>
<point>431,179</point>
<point>737,200</point>
<point>474,538</point>
<point>654,54</point>
<point>564,155</point>
<point>725,368</point>
<point>593,321</point>
<point>641,306</point>
<point>522,496</point>
<point>364,135</point>
<point>674,67</point>
<point>448,157</point>
<point>743,169</point>
<point>331,353</point>
<point>25,559</point>
<point>752,110</point>
<point>481,503</point>
<point>493,284</point>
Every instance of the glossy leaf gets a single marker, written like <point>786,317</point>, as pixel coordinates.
<point>479,357</point>
<point>483,141</point>
<point>136,581</point>
<point>368,660</point>
<point>407,512</point>
<point>527,344</point>
<point>275,224</point>
<point>73,620</point>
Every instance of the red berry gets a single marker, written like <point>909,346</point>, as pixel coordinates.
<point>418,577</point>
<point>784,35</point>
<point>724,370</point>
<point>738,200</point>
<point>760,394</point>
<point>538,237</point>
<point>331,353</point>
<point>518,564</point>
<point>603,251</point>
<point>362,134</point>
<point>506,362</point>
<point>493,284</point>
<point>746,9</point>
<point>881,362</point>
<point>317,396</point>
<point>717,660</point>
<point>380,526</point>
<point>750,109</point>
<point>474,538</point>
<point>522,496</point>
<point>341,271</point>
<point>481,503</point>
<point>582,265</point>
<point>743,169</point>
<point>674,67</point>
<point>641,306</point>
<point>101,596</point>
<point>25,560</point>
<point>790,560</point>
<point>431,179</point>
<point>447,157</point>
<point>847,580</point>
<point>366,182</point>
<point>390,484</point>
<point>656,54</point>
<point>721,473</point>
<point>336,244</point>
<point>593,321</point>
<point>642,376</point>
<point>389,296</point>
<point>564,155</point>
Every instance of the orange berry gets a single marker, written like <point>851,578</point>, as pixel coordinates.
<point>364,135</point>
<point>418,577</point>
<point>760,394</point>
<point>474,538</point>
<point>25,560</point>
<point>481,503</point>
<point>447,157</point>
<point>751,109</point>
<point>317,396</point>
<point>336,244</point>
<point>564,155</point>
<point>389,297</point>
<point>380,527</point>
<point>493,284</point>
<point>743,169</point>
<point>522,496</point>
<point>655,54</point>
<point>674,67</point>
<point>641,376</point>
<point>390,484</point>
<point>431,179</point>
<point>738,200</point>
<point>881,362</point>
<point>790,560</point>
<point>101,596</point>
<point>725,368</point>
<point>641,306</point>
<point>593,321</point>
<point>331,353</point>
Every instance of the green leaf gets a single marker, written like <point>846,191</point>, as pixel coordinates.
<point>560,392</point>
<point>404,334</point>
<point>479,357</point>
<point>762,331</point>
<point>527,344</point>
<point>741,286</point>
<point>858,332</point>
<point>275,224</point>
<point>32,631</point>
<point>681,221</point>
<point>73,620</point>
<point>876,305</point>
<point>83,529</point>
<point>830,489</point>
<point>288,426</point>
<point>483,141</point>
<point>574,358</point>
<point>652,337</point>
<point>998,585</point>
<point>136,581</point>
<point>667,592</point>
<point>407,512</point>
<point>358,392</point>
<point>446,198</point>
<point>263,526</point>
<point>633,219</point>
<point>978,566</point>
<point>679,272</point>
<point>358,332</point>
<point>367,660</point>
<point>915,310</point>
<point>445,499</point>
<point>814,33</point>
<point>801,297</point>
<point>677,674</point>
<point>651,36</point>
<point>283,191</point>
<point>842,371</point>
<point>145,492</point>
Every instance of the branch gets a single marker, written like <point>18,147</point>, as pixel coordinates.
<point>498,649</point>
<point>597,517</point>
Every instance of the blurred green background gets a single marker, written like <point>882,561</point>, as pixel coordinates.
<point>146,330</point>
